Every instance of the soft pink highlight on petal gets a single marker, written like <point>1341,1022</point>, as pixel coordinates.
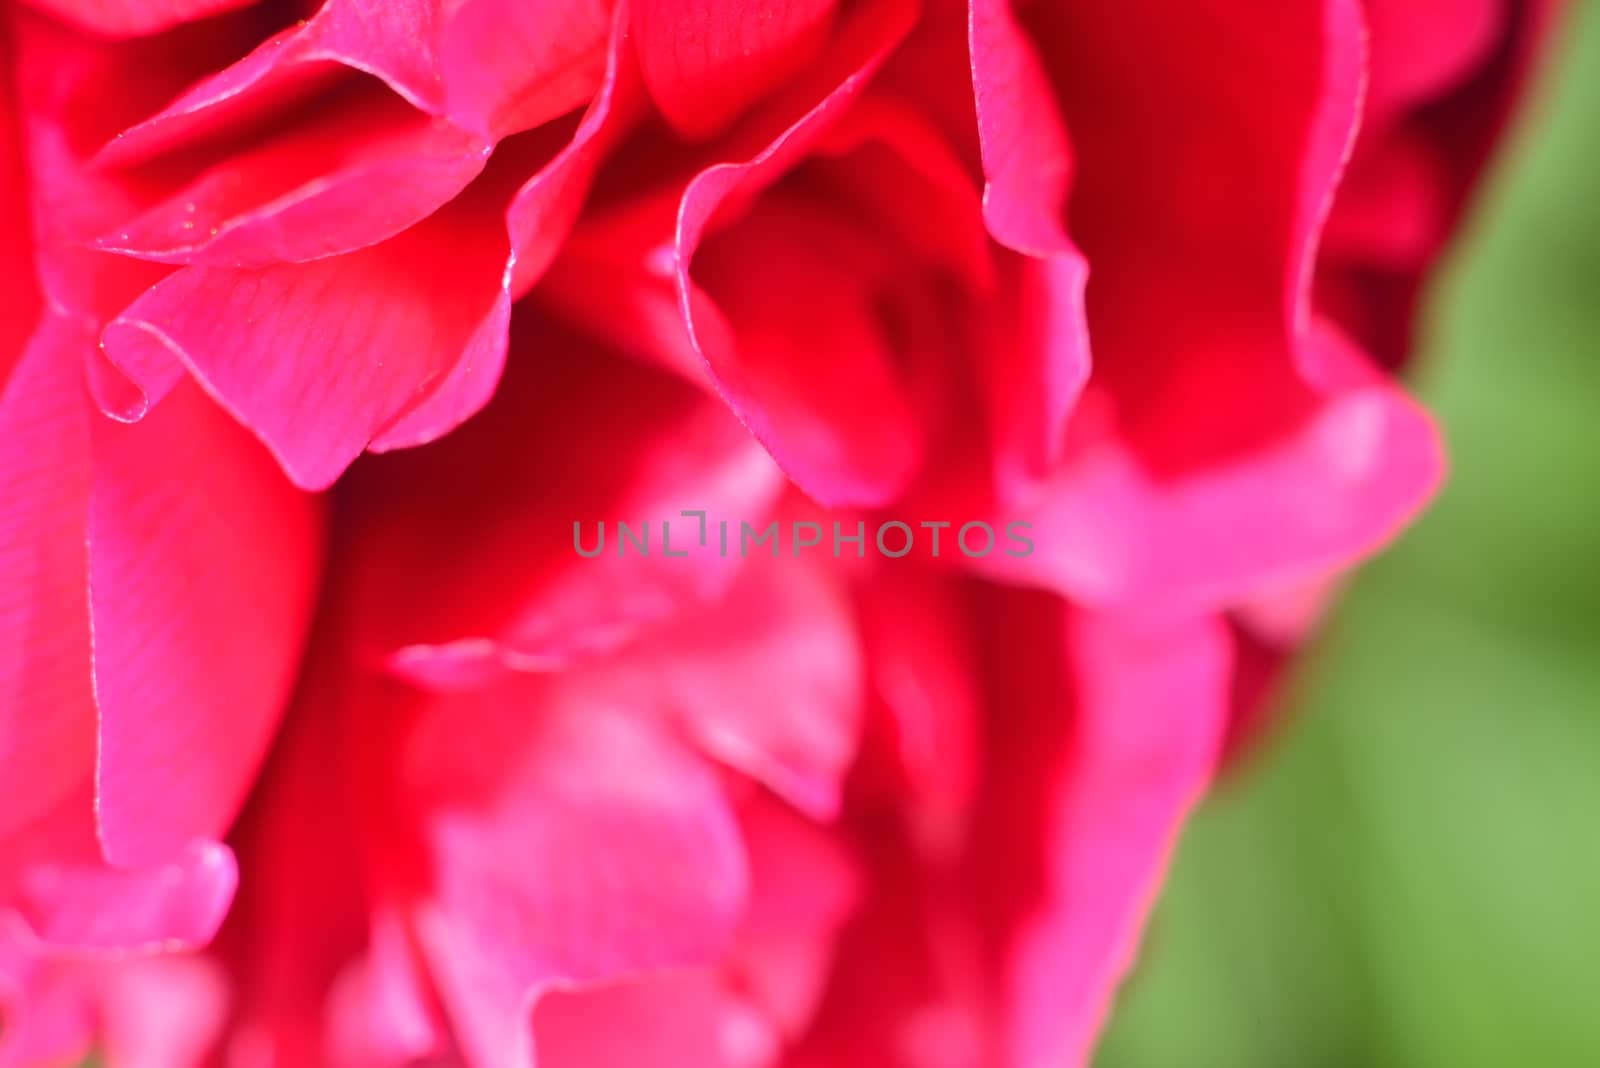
<point>1146,732</point>
<point>572,845</point>
<point>44,486</point>
<point>511,66</point>
<point>203,566</point>
<point>321,359</point>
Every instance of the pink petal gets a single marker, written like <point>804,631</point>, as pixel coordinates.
<point>565,843</point>
<point>365,167</point>
<point>1109,531</point>
<point>706,60</point>
<point>203,569</point>
<point>821,391</point>
<point>804,887</point>
<point>392,40</point>
<point>88,908</point>
<point>1037,369</point>
<point>768,681</point>
<point>46,707</point>
<point>511,66</point>
<point>678,1020</point>
<point>49,1016</point>
<point>128,18</point>
<point>814,428</point>
<point>324,358</point>
<point>1105,778</point>
<point>162,1011</point>
<point>1425,50</point>
<point>52,870</point>
<point>544,210</point>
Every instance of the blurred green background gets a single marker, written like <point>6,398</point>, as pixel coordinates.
<point>1408,872</point>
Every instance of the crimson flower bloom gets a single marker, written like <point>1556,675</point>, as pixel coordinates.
<point>334,339</point>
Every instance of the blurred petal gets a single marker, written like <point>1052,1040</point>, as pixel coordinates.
<point>564,843</point>
<point>477,565</point>
<point>1036,371</point>
<point>1106,781</point>
<point>128,18</point>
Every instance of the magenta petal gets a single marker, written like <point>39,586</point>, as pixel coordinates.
<point>544,210</point>
<point>129,18</point>
<point>1039,364</point>
<point>320,359</point>
<point>768,681</point>
<point>166,1011</point>
<point>46,709</point>
<point>682,1019</point>
<point>85,908</point>
<point>706,60</point>
<point>1424,50</point>
<point>203,567</point>
<point>47,1008</point>
<point>511,65</point>
<point>566,843</point>
<point>1108,531</point>
<point>813,417</point>
<point>392,40</point>
<point>1147,723</point>
<point>362,170</point>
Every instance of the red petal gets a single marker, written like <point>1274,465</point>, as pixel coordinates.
<point>129,18</point>
<point>461,575</point>
<point>365,167</point>
<point>706,60</point>
<point>510,65</point>
<point>812,425</point>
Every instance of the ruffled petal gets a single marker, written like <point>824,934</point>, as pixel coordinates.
<point>563,843</point>
<point>1036,369</point>
<point>363,168</point>
<point>511,66</point>
<point>811,415</point>
<point>323,359</point>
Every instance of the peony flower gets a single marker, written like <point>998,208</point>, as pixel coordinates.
<point>970,394</point>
